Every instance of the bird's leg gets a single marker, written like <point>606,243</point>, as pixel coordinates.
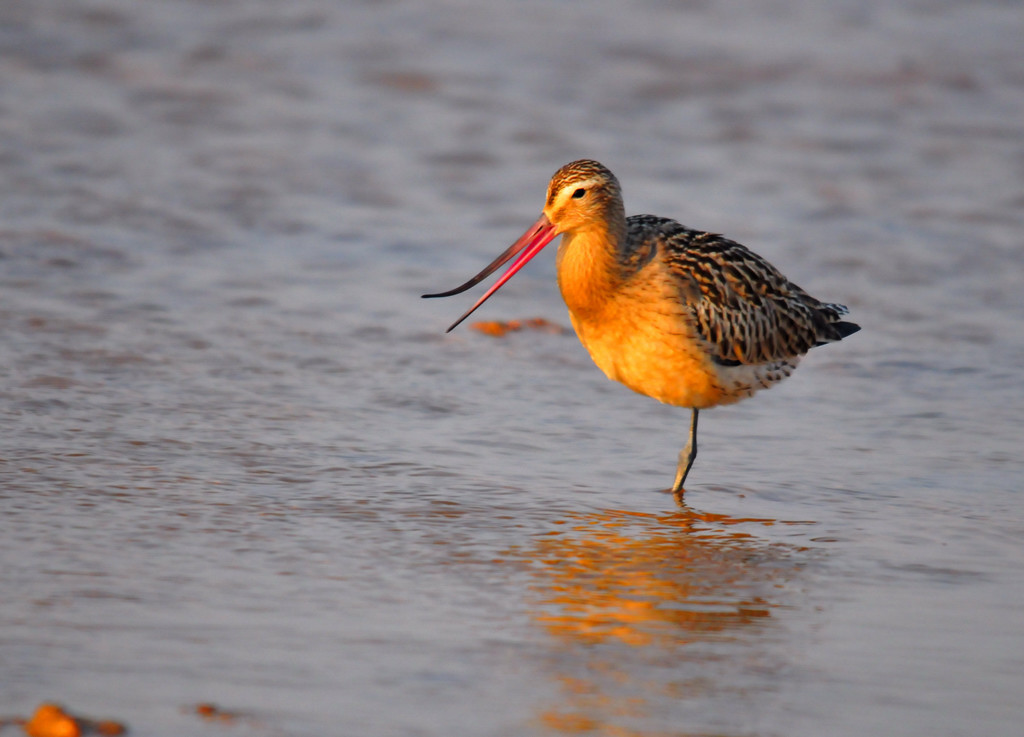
<point>686,456</point>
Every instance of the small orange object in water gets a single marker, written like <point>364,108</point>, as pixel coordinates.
<point>214,713</point>
<point>494,328</point>
<point>499,329</point>
<point>52,721</point>
<point>108,727</point>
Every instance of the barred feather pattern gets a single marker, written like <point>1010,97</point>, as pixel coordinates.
<point>743,308</point>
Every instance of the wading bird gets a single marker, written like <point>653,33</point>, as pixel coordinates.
<point>689,318</point>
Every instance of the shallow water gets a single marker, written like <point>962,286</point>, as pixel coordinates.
<point>243,464</point>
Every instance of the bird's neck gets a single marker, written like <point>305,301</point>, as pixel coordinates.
<point>588,269</point>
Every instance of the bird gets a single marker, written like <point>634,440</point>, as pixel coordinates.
<point>687,317</point>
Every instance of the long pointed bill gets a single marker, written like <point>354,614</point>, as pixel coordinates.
<point>529,245</point>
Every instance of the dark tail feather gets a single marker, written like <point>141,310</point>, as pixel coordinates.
<point>845,328</point>
<point>837,331</point>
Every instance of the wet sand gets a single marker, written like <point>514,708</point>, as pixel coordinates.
<point>242,464</point>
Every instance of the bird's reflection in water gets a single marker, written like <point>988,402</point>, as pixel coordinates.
<point>662,624</point>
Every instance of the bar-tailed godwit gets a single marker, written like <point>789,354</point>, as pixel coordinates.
<point>689,318</point>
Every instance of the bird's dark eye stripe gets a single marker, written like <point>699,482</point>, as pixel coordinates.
<point>578,193</point>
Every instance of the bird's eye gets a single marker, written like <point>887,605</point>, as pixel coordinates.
<point>579,193</point>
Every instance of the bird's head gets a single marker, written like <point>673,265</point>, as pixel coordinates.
<point>580,195</point>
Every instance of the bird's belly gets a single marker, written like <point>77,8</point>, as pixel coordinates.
<point>657,357</point>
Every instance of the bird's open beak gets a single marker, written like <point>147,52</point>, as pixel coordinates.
<point>529,245</point>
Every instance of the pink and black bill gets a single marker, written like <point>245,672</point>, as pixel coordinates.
<point>529,245</point>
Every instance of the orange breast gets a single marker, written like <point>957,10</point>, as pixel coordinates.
<point>650,348</point>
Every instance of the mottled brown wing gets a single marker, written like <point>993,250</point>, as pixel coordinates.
<point>741,305</point>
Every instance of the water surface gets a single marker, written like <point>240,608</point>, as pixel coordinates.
<point>242,463</point>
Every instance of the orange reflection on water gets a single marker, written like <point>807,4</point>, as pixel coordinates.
<point>654,615</point>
